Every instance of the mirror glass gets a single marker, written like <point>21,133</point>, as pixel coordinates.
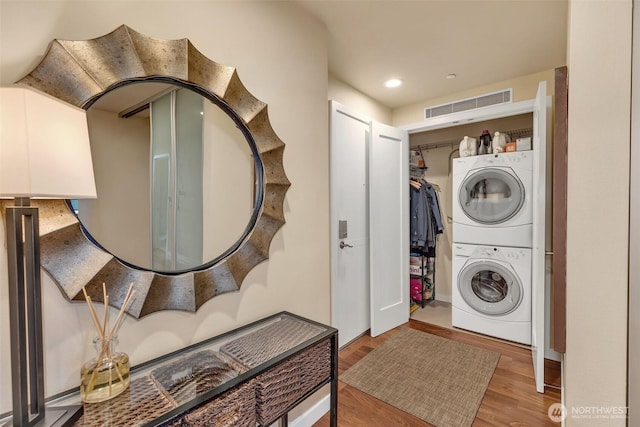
<point>175,178</point>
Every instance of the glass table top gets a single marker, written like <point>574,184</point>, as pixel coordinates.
<point>171,384</point>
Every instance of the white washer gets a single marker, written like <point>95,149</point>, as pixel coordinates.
<point>492,201</point>
<point>492,291</point>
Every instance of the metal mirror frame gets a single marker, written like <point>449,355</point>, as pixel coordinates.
<point>79,72</point>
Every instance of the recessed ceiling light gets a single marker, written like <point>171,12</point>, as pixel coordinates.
<point>393,83</point>
<point>450,76</point>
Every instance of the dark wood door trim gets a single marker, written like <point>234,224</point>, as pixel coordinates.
<point>559,264</point>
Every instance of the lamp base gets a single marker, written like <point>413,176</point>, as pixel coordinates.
<point>61,416</point>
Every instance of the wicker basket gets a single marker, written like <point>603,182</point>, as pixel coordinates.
<point>192,375</point>
<point>236,408</point>
<point>266,343</point>
<point>171,385</point>
<point>138,404</point>
<point>281,386</point>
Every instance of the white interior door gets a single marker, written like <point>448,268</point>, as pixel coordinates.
<point>388,227</point>
<point>369,225</point>
<point>349,136</point>
<point>538,275</point>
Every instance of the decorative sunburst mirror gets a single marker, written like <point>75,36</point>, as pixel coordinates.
<point>81,73</point>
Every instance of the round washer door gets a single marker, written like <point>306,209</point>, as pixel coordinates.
<point>491,195</point>
<point>490,288</point>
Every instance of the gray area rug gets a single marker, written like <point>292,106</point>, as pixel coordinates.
<point>435,379</point>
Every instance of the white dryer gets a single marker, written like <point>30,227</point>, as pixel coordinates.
<point>492,291</point>
<point>492,201</point>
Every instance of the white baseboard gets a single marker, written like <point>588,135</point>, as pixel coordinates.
<point>313,414</point>
<point>443,298</point>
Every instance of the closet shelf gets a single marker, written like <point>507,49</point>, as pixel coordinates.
<point>454,143</point>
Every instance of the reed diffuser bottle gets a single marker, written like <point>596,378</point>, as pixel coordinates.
<point>106,375</point>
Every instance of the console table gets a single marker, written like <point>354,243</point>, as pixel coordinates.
<point>253,375</point>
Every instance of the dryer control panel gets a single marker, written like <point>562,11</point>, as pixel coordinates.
<point>519,158</point>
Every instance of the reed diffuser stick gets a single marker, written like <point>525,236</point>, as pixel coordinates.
<point>125,303</point>
<point>105,327</point>
<point>105,299</point>
<point>116,324</point>
<point>92,311</point>
<point>99,329</point>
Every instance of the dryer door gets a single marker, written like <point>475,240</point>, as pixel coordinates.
<point>491,195</point>
<point>490,287</point>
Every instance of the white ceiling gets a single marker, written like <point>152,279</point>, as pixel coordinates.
<point>421,41</point>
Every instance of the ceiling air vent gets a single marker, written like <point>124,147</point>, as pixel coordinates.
<point>481,101</point>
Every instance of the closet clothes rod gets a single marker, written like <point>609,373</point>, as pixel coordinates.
<point>455,143</point>
<point>452,144</point>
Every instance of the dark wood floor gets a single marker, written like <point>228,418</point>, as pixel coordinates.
<point>510,400</point>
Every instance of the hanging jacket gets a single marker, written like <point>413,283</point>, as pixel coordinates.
<point>426,220</point>
<point>418,224</point>
<point>434,206</point>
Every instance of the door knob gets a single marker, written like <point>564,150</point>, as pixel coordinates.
<point>344,245</point>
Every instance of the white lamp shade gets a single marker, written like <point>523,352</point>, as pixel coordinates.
<point>44,147</point>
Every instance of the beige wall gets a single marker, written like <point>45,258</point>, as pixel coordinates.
<point>281,58</point>
<point>599,63</point>
<point>119,217</point>
<point>350,97</point>
<point>524,88</point>
<point>228,181</point>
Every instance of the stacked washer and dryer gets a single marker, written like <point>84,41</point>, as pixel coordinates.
<point>492,245</point>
